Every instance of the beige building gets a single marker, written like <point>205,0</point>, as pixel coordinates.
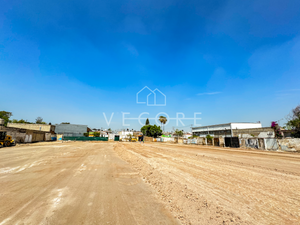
<point>26,136</point>
<point>39,127</point>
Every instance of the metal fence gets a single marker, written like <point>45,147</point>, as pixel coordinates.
<point>232,142</point>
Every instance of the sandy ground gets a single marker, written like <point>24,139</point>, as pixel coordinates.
<point>151,183</point>
<point>212,185</point>
<point>74,183</point>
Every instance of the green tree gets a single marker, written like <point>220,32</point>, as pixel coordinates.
<point>178,133</point>
<point>209,137</point>
<point>19,121</point>
<point>155,131</point>
<point>39,120</point>
<point>96,134</point>
<point>193,136</point>
<point>5,115</point>
<point>146,130</point>
<point>294,122</point>
<point>86,134</point>
<point>147,122</point>
<point>151,131</point>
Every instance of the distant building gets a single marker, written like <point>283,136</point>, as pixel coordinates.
<point>223,130</point>
<point>125,134</point>
<point>71,130</point>
<point>187,135</point>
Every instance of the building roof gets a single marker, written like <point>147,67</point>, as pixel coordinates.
<point>222,124</point>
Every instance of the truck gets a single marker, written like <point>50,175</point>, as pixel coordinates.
<point>6,140</point>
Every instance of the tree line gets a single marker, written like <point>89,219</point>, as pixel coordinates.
<point>6,117</point>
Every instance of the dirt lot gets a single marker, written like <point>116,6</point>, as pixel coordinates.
<point>133,183</point>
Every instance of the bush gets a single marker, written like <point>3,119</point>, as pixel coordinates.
<point>209,137</point>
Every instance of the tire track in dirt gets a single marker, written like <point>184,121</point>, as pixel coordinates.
<point>186,204</point>
<point>81,183</point>
<point>252,194</point>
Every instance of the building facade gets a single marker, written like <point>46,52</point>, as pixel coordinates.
<point>223,130</point>
<point>71,130</point>
<point>20,135</point>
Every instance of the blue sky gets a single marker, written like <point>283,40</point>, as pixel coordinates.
<point>70,61</point>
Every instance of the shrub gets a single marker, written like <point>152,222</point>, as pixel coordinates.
<point>209,137</point>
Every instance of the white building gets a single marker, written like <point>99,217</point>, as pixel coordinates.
<point>125,134</point>
<point>223,129</point>
<point>187,135</point>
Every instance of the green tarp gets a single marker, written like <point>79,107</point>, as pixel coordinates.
<point>85,138</point>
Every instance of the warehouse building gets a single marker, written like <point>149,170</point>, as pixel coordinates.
<point>71,130</point>
<point>223,130</point>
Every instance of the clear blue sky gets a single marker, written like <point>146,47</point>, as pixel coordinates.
<point>70,61</point>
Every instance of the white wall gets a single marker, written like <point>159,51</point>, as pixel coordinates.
<point>245,125</point>
<point>227,126</point>
<point>213,127</point>
<point>124,134</point>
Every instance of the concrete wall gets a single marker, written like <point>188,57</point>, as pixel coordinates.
<point>289,144</point>
<point>71,130</point>
<point>192,141</point>
<point>35,136</point>
<point>271,144</point>
<point>168,139</point>
<point>259,143</point>
<point>59,137</point>
<point>201,141</point>
<point>18,135</point>
<point>47,136</point>
<point>264,132</point>
<point>26,136</point>
<point>221,142</point>
<point>39,127</point>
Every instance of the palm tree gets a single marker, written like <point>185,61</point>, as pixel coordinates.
<point>163,120</point>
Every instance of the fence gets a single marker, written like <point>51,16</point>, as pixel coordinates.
<point>286,144</point>
<point>232,142</point>
<point>85,138</point>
